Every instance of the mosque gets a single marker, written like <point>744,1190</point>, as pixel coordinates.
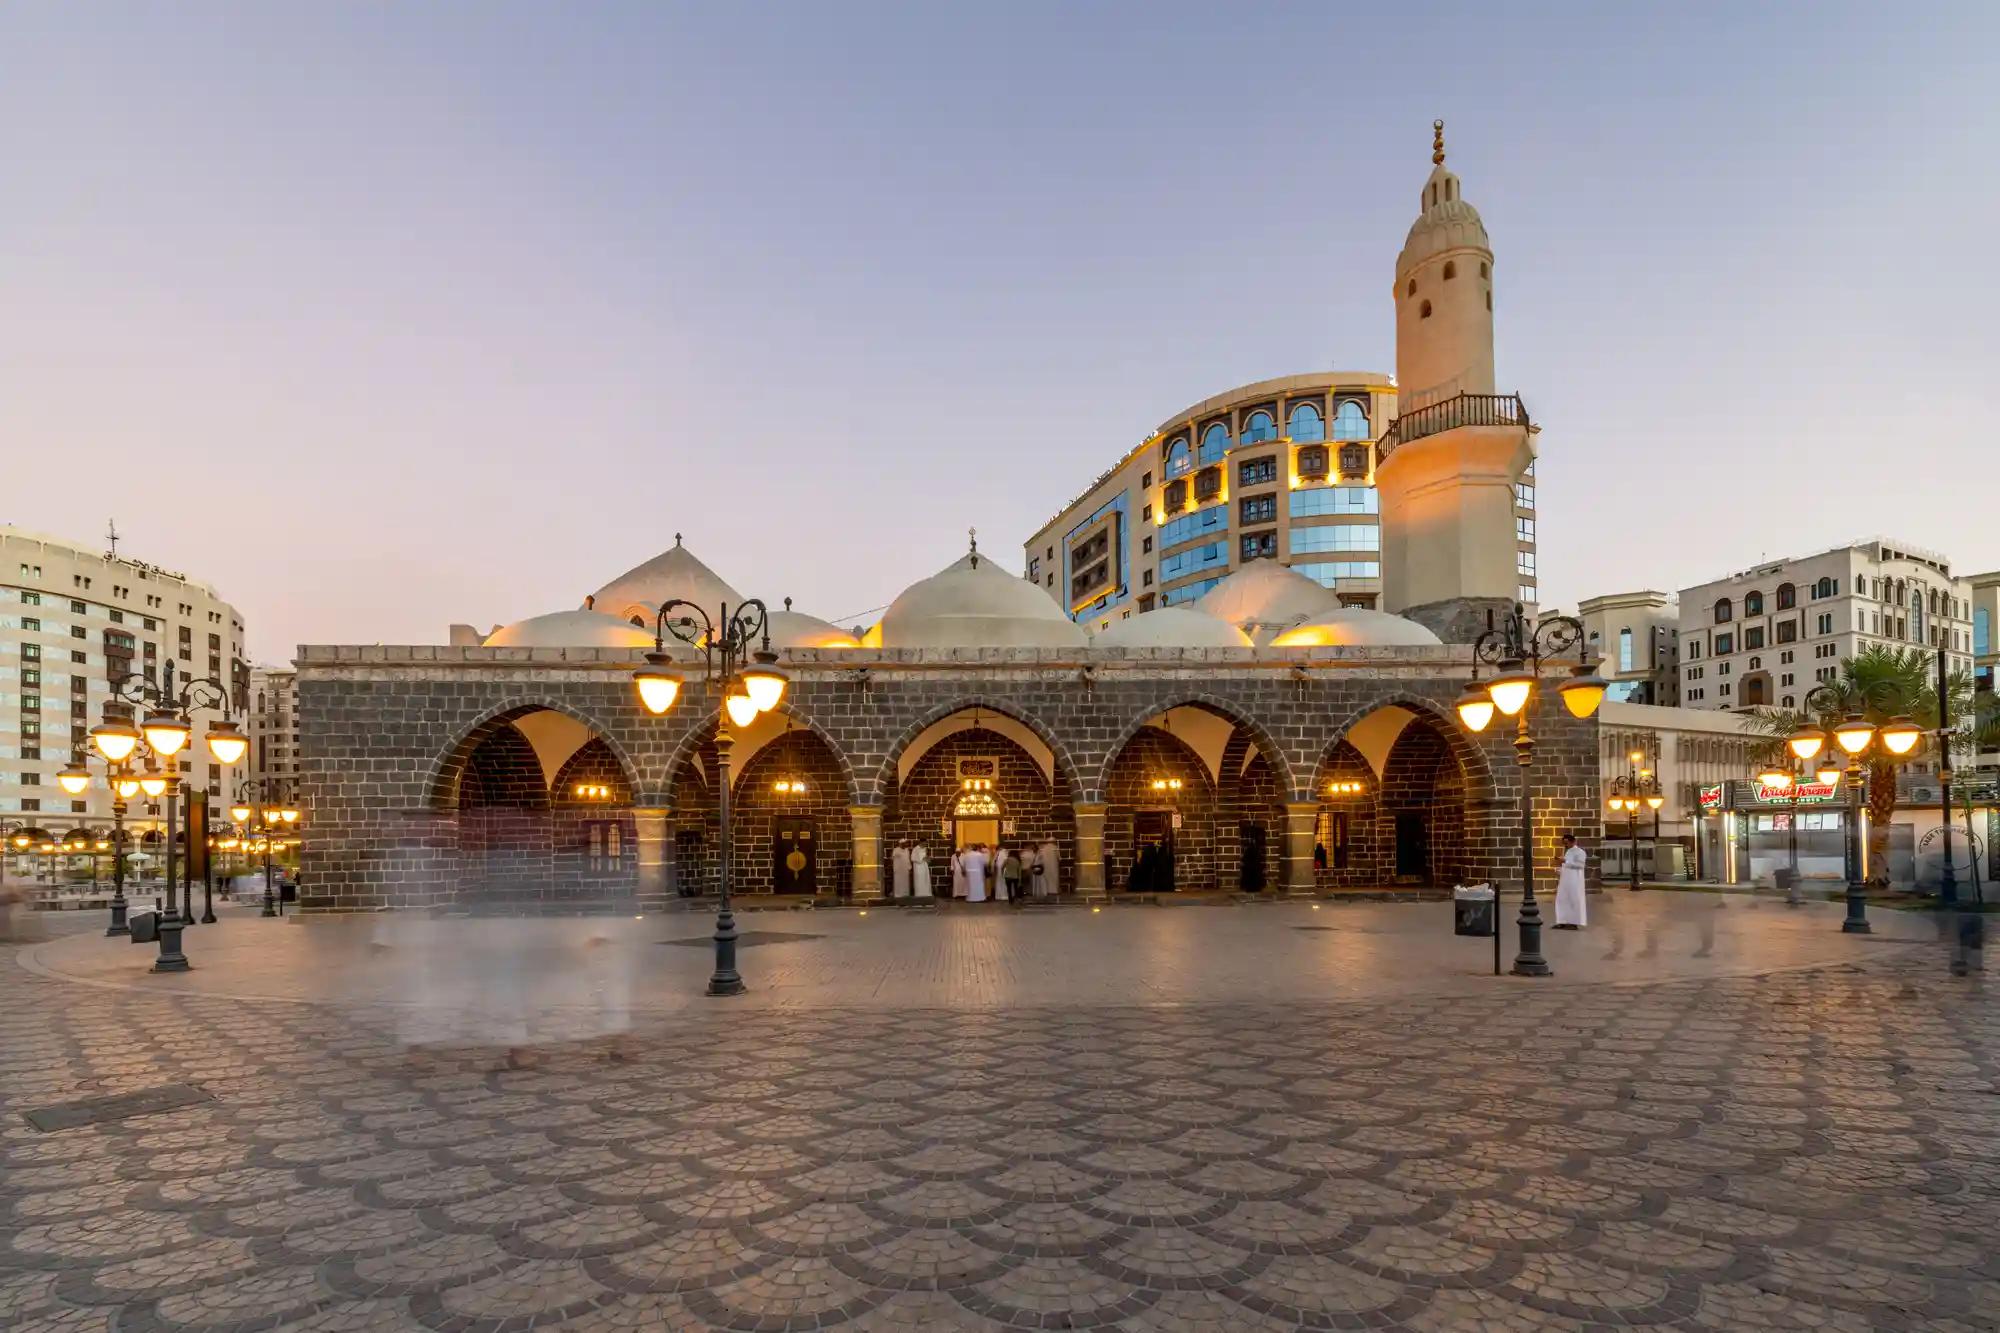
<point>1269,734</point>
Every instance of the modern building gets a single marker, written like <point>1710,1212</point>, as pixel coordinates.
<point>1688,751</point>
<point>1986,654</point>
<point>1637,637</point>
<point>1767,635</point>
<point>74,620</point>
<point>1286,469</point>
<point>274,732</point>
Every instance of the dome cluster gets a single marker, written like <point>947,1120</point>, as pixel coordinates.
<point>974,603</point>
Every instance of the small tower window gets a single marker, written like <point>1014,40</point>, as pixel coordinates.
<point>1482,268</point>
<point>1450,270</point>
<point>1489,302</point>
<point>1411,290</point>
<point>1426,312</point>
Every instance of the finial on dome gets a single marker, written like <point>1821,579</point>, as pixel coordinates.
<point>788,603</point>
<point>1437,143</point>
<point>972,534</point>
<point>677,539</point>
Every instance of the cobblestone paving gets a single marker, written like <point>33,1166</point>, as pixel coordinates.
<point>1806,1150</point>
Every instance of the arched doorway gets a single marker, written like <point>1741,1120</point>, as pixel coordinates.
<point>977,775</point>
<point>1194,801</point>
<point>791,833</point>
<point>543,811</point>
<point>1392,795</point>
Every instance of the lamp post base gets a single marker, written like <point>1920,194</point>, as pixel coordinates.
<point>725,980</point>
<point>171,958</point>
<point>1529,962</point>
<point>270,905</point>
<point>1856,922</point>
<point>118,924</point>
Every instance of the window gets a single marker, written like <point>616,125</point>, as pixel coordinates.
<point>1329,573</point>
<point>1260,546</point>
<point>1524,563</point>
<point>1350,421</point>
<point>1146,580</point>
<point>1179,462</point>
<point>1788,596</point>
<point>1313,461</point>
<point>1625,649</point>
<point>80,659</point>
<point>1450,270</point>
<point>1192,592</point>
<point>79,608</point>
<point>1753,604</point>
<point>1256,471</point>
<point>78,632</point>
<point>1337,537</point>
<point>1146,513</point>
<point>1524,529</point>
<point>1258,509</point>
<point>1410,290</point>
<point>30,676</point>
<point>1725,644</point>
<point>1482,268</point>
<point>1424,311</point>
<point>1353,462</point>
<point>1146,546</point>
<point>1307,427</point>
<point>1175,497</point>
<point>1214,443</point>
<point>31,623</point>
<point>1982,631</point>
<point>1753,636</point>
<point>1825,588</point>
<point>31,651</point>
<point>1785,656</point>
<point>1524,495</point>
<point>1825,623</point>
<point>1524,592</point>
<point>1788,631</point>
<point>1258,429</point>
<point>1146,482</point>
<point>1724,612</point>
<point>1207,483</point>
<point>1334,500</point>
<point>1189,526</point>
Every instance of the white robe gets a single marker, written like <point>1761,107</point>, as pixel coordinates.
<point>920,872</point>
<point>975,876</point>
<point>958,874</point>
<point>1047,880</point>
<point>899,872</point>
<point>1569,889</point>
<point>1000,876</point>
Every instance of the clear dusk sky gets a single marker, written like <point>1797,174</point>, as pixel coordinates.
<point>381,316</point>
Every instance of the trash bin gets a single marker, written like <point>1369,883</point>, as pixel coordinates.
<point>1473,910</point>
<point>145,927</point>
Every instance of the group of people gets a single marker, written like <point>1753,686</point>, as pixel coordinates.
<point>978,872</point>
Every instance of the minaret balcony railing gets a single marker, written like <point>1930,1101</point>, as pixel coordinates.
<point>1465,409</point>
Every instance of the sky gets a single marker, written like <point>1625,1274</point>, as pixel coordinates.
<point>381,317</point>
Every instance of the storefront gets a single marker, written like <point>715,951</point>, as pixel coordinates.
<point>1746,830</point>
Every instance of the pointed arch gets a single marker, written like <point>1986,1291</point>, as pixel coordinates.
<point>883,779</point>
<point>1470,754</point>
<point>447,767</point>
<point>1267,745</point>
<point>696,737</point>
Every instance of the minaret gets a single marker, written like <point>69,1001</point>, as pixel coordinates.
<point>1450,460</point>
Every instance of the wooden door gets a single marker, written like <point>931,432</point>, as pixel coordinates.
<point>1413,845</point>
<point>795,855</point>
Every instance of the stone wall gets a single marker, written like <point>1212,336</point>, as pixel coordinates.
<point>386,733</point>
<point>1150,754</point>
<point>922,805</point>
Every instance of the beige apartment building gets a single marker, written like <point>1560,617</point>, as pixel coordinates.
<point>73,620</point>
<point>274,733</point>
<point>1287,469</point>
<point>1985,652</point>
<point>1636,636</point>
<point>1766,636</point>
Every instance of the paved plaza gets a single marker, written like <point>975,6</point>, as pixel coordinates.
<point>1229,1118</point>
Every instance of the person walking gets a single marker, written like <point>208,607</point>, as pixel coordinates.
<point>1570,906</point>
<point>1010,875</point>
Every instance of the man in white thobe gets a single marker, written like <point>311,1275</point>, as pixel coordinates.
<point>958,873</point>
<point>899,870</point>
<point>974,861</point>
<point>1569,886</point>
<point>920,871</point>
<point>1048,879</point>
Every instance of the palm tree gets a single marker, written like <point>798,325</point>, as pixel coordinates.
<point>1882,683</point>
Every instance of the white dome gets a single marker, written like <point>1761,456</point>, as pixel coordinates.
<point>1265,597</point>
<point>794,629</point>
<point>1171,627</point>
<point>674,573</point>
<point>570,629</point>
<point>973,603</point>
<point>1448,224</point>
<point>1357,627</point>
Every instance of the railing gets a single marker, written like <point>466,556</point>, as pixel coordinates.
<point>1466,409</point>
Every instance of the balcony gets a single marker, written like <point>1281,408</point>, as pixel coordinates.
<point>1466,409</point>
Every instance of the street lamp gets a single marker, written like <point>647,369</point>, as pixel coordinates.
<point>752,683</point>
<point>1519,650</point>
<point>1638,787</point>
<point>124,786</point>
<point>1853,737</point>
<point>273,816</point>
<point>1782,779</point>
<point>166,729</point>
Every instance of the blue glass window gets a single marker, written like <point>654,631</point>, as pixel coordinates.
<point>1307,425</point>
<point>1329,573</point>
<point>1194,560</point>
<point>1982,631</point>
<point>1350,422</point>
<point>1337,537</point>
<point>1214,443</point>
<point>1179,461</point>
<point>1259,428</point>
<point>1215,518</point>
<point>1313,501</point>
<point>1192,591</point>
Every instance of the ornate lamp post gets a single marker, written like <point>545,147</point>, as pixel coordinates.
<point>274,818</point>
<point>751,683</point>
<point>124,786</point>
<point>1638,787</point>
<point>164,731</point>
<point>1776,776</point>
<point>1518,650</point>
<point>1854,736</point>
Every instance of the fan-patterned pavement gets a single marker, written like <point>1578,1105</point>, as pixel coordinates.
<point>1811,1149</point>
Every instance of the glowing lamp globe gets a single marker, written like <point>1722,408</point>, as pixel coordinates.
<point>1829,773</point>
<point>1807,741</point>
<point>765,683</point>
<point>74,780</point>
<point>1583,692</point>
<point>1475,708</point>
<point>658,684</point>
<point>126,786</point>
<point>1775,777</point>
<point>1655,801</point>
<point>226,744</point>
<point>153,784</point>
<point>115,740</point>
<point>239,812</point>
<point>1854,734</point>
<point>1510,690</point>
<point>290,814</point>
<point>167,733</point>
<point>1901,735</point>
<point>742,709</point>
